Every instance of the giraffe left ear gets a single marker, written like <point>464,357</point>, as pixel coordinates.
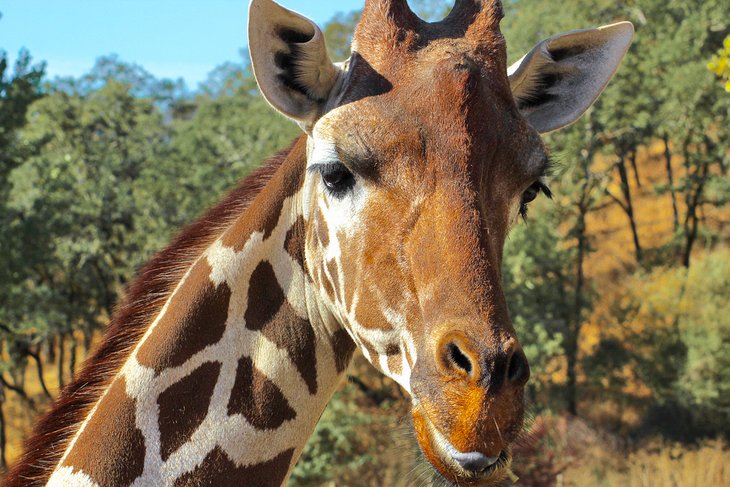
<point>562,76</point>
<point>290,60</point>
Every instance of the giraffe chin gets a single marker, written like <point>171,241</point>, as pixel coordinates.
<point>443,457</point>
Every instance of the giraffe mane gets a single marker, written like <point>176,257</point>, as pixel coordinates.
<point>144,298</point>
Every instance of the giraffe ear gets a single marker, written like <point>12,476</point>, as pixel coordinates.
<point>562,76</point>
<point>290,61</point>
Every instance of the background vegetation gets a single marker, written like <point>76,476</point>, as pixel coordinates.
<point>619,287</point>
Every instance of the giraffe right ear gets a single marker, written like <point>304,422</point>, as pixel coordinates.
<point>290,61</point>
<point>562,76</point>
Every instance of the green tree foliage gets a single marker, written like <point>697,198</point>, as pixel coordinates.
<point>691,108</point>
<point>17,92</point>
<point>98,174</point>
<point>338,33</point>
<point>537,283</point>
<point>229,133</point>
<point>78,197</point>
<point>338,448</point>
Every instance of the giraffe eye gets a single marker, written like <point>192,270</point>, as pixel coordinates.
<point>337,178</point>
<point>531,193</point>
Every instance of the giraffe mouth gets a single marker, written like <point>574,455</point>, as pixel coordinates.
<point>460,468</point>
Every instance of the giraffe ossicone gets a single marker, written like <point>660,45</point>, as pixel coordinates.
<point>381,228</point>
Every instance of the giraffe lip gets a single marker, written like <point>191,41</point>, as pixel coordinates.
<point>469,465</point>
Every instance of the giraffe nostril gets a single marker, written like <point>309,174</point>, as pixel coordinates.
<point>459,358</point>
<point>519,370</point>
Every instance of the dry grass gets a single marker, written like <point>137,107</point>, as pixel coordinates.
<point>654,466</point>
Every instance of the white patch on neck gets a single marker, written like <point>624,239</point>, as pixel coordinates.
<point>66,477</point>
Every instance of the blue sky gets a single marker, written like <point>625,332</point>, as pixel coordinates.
<point>169,38</point>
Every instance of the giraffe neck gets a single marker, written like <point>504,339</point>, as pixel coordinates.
<point>232,374</point>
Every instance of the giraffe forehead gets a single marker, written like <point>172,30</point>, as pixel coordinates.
<point>447,110</point>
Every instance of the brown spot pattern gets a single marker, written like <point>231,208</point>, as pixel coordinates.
<point>257,398</point>
<point>343,347</point>
<point>269,312</point>
<point>111,449</point>
<point>327,285</point>
<point>143,300</point>
<point>394,364</point>
<point>217,470</point>
<point>294,242</point>
<point>334,275</point>
<point>322,229</point>
<point>368,312</point>
<point>195,319</point>
<point>184,405</point>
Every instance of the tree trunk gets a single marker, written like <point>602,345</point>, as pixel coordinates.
<point>689,241</point>
<point>691,221</point>
<point>72,358</point>
<point>39,368</point>
<point>574,322</point>
<point>3,433</point>
<point>632,159</point>
<point>20,391</point>
<point>670,179</point>
<point>88,335</point>
<point>571,340</point>
<point>629,206</point>
<point>61,359</point>
<point>51,345</point>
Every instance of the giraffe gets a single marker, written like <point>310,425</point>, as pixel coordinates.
<point>380,229</point>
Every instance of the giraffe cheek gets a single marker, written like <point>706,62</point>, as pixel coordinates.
<point>421,427</point>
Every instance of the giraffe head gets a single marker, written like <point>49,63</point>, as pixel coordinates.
<point>423,148</point>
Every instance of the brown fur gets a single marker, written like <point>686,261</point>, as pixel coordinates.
<point>116,417</point>
<point>217,470</point>
<point>143,300</point>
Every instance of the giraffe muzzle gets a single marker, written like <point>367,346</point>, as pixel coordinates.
<point>466,423</point>
<point>462,468</point>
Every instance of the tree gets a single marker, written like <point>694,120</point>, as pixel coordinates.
<point>693,113</point>
<point>76,198</point>
<point>226,135</point>
<point>17,92</point>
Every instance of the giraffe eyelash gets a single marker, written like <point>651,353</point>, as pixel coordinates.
<point>536,188</point>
